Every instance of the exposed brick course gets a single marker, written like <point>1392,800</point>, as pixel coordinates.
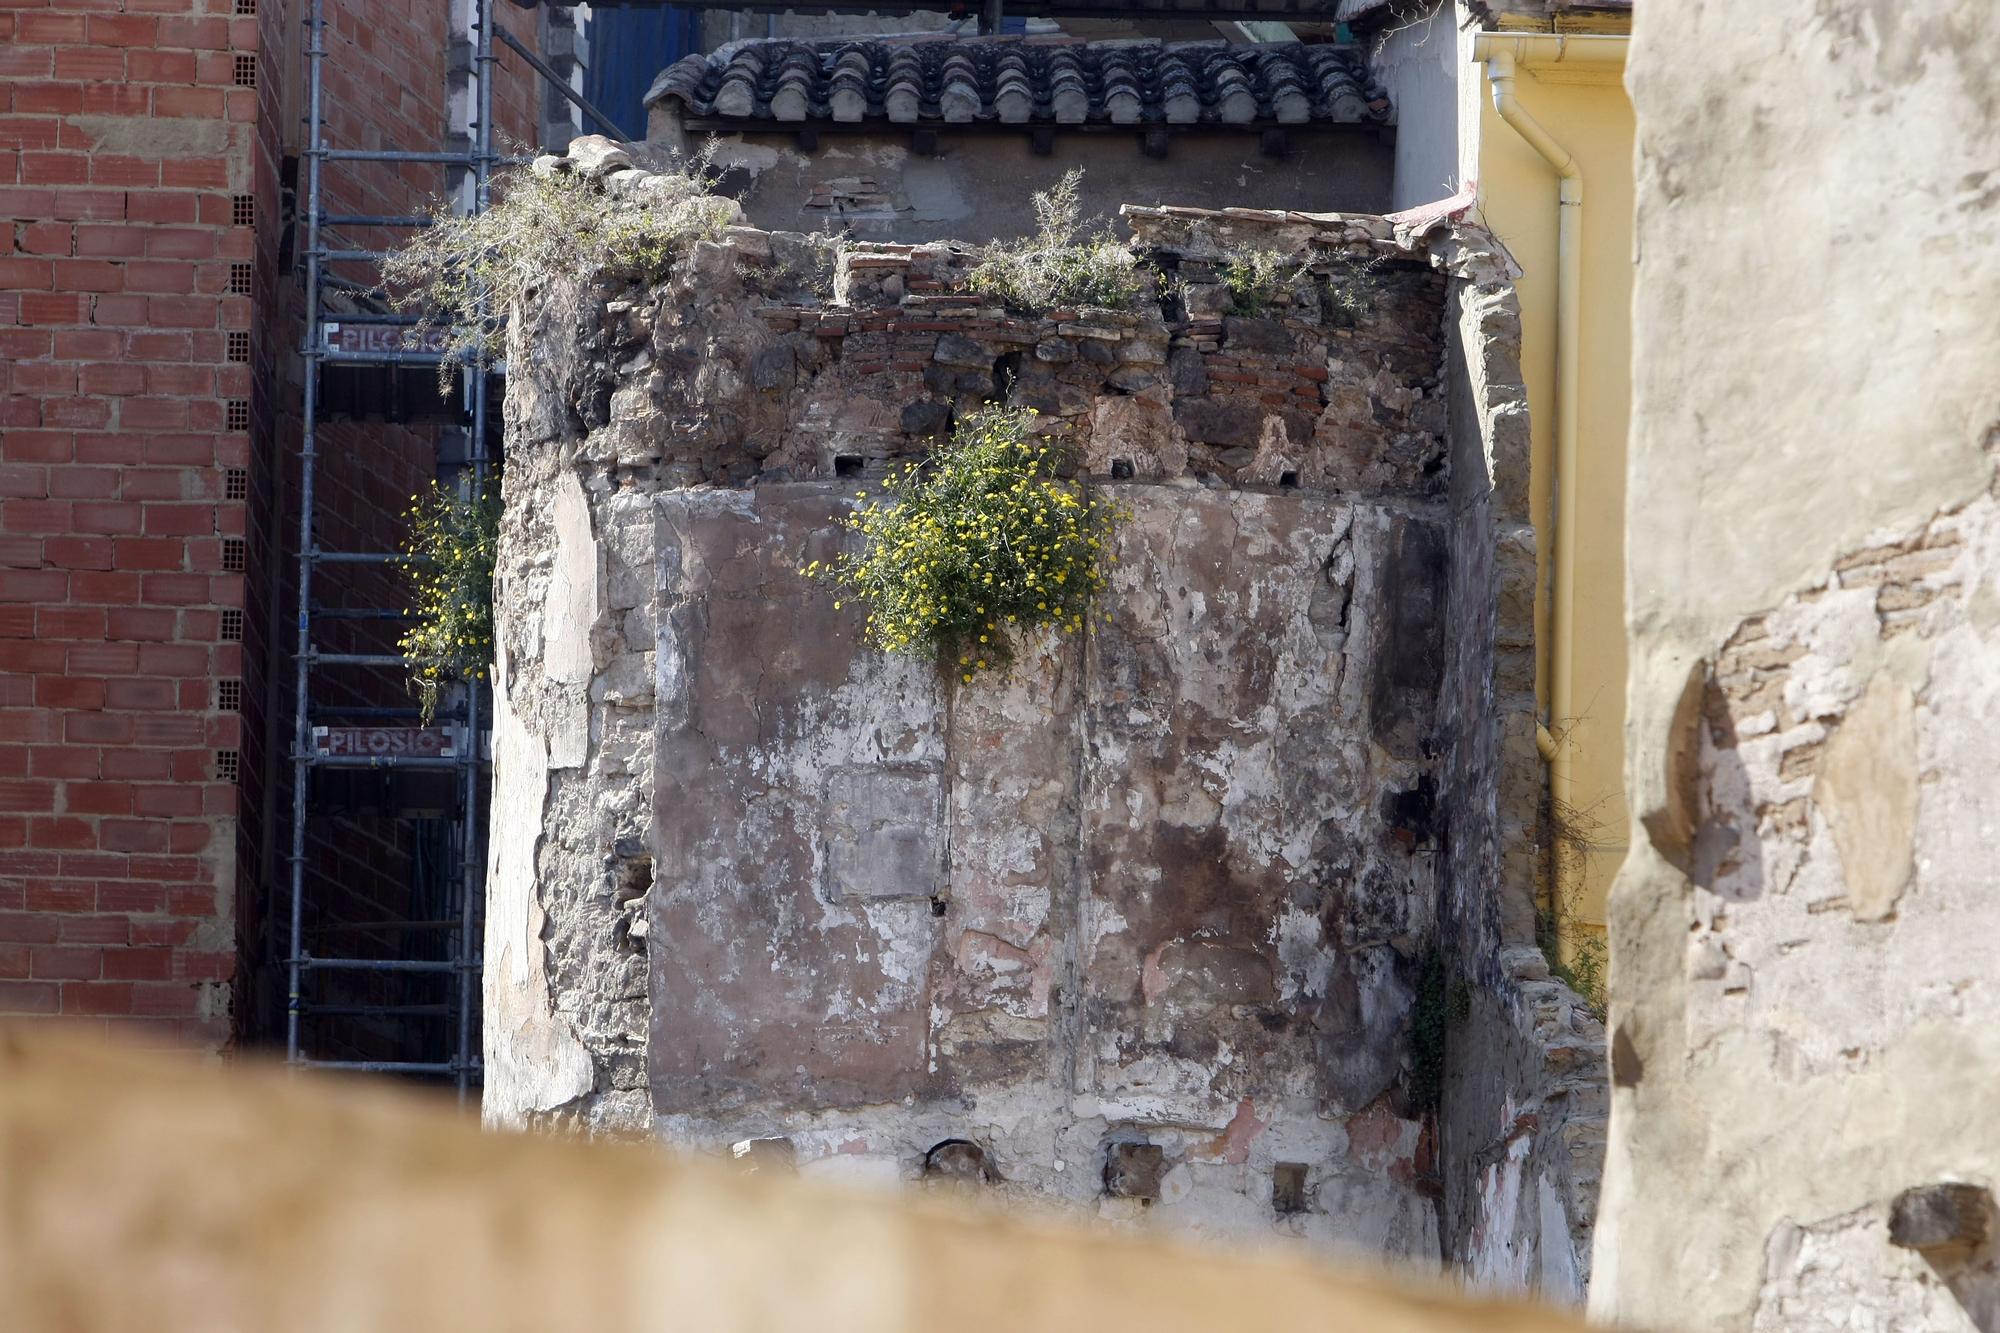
<point>121,135</point>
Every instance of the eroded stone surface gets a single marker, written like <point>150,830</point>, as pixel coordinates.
<point>1170,882</point>
<point>1162,856</point>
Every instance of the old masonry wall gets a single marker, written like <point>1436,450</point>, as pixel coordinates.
<point>1145,925</point>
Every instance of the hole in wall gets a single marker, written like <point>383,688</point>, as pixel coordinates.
<point>847,465</point>
<point>774,1154</point>
<point>1288,480</point>
<point>634,879</point>
<point>1121,469</point>
<point>631,870</point>
<point>1006,370</point>
<point>959,1160</point>
<point>1134,1171</point>
<point>1288,1189</point>
<point>1412,815</point>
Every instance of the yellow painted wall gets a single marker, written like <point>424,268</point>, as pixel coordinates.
<point>1588,113</point>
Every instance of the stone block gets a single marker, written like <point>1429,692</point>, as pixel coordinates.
<point>1187,372</point>
<point>955,349</point>
<point>595,155</point>
<point>774,368</point>
<point>1205,300</point>
<point>882,835</point>
<point>926,418</point>
<point>1222,421</point>
<point>1257,335</point>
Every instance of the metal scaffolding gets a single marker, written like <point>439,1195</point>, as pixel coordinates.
<point>395,995</point>
<point>438,938</point>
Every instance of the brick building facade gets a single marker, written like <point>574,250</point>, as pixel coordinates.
<point>149,389</point>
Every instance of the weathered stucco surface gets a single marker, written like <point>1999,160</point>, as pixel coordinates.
<point>1521,1125</point>
<point>979,186</point>
<point>1804,1004</point>
<point>1146,922</point>
<point>1142,891</point>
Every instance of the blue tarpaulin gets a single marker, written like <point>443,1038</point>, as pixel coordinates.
<point>629,46</point>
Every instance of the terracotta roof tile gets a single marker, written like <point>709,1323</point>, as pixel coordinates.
<point>1003,80</point>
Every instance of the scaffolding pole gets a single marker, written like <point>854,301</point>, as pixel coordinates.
<point>484,64</point>
<point>301,717</point>
<point>460,860</point>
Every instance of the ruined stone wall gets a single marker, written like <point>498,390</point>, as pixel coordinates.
<point>1141,925</point>
<point>1521,1125</point>
<point>1803,1000</point>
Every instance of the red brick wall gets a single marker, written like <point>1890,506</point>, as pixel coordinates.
<point>139,168</point>
<point>123,136</point>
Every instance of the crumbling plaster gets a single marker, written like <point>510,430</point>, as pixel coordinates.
<point>1521,1122</point>
<point>1803,1004</point>
<point>978,186</point>
<point>1167,889</point>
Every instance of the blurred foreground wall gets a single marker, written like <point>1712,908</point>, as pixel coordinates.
<point>139,1191</point>
<point>1804,1000</point>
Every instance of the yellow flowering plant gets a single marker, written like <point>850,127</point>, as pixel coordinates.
<point>975,544</point>
<point>448,558</point>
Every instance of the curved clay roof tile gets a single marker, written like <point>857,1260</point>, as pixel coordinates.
<point>958,89</point>
<point>737,95</point>
<point>961,80</point>
<point>903,87</point>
